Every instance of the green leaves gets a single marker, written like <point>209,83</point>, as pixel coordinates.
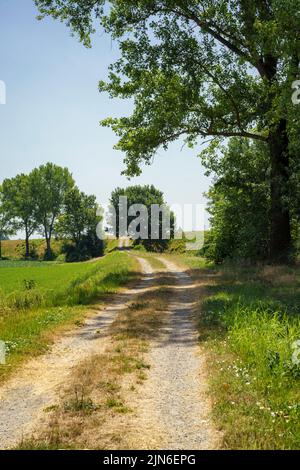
<point>216,68</point>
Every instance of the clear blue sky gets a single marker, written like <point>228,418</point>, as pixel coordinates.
<point>53,111</point>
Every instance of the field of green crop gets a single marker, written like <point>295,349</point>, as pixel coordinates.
<point>45,276</point>
<point>36,298</point>
<point>15,249</point>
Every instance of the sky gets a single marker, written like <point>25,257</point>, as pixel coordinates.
<point>53,108</point>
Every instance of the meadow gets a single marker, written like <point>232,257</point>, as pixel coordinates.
<point>37,298</point>
<point>248,324</point>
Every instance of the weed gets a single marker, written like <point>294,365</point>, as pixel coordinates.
<point>80,403</point>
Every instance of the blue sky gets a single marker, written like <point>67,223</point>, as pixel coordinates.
<point>53,111</point>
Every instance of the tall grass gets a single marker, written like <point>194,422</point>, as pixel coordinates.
<point>249,322</point>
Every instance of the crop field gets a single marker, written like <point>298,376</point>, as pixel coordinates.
<point>15,249</point>
<point>15,275</point>
<point>36,298</point>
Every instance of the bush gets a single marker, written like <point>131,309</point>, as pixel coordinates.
<point>33,251</point>
<point>88,248</point>
<point>239,203</point>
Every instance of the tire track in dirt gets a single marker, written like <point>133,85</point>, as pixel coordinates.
<point>173,410</point>
<point>36,386</point>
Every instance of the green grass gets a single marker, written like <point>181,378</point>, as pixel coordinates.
<point>36,283</point>
<point>47,276</point>
<point>56,298</point>
<point>25,264</point>
<point>111,244</point>
<point>190,260</point>
<point>248,322</point>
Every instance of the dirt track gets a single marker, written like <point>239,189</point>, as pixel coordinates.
<point>171,409</point>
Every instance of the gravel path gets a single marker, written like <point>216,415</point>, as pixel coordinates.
<point>173,409</point>
<point>172,406</point>
<point>24,397</point>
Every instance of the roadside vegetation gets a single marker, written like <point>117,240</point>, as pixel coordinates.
<point>38,298</point>
<point>248,323</point>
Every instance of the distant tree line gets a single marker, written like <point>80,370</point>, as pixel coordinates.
<point>48,202</point>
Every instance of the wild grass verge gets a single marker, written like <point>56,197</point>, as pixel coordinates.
<point>248,324</point>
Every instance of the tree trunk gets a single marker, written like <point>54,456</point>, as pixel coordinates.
<point>48,248</point>
<point>280,237</point>
<point>27,247</point>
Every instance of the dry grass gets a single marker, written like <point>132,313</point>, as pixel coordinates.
<point>248,322</point>
<point>94,409</point>
<point>15,249</point>
<point>279,275</point>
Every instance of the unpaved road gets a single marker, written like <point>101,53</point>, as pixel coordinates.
<point>36,386</point>
<point>172,410</point>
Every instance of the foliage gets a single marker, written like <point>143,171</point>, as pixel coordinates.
<point>50,184</point>
<point>239,203</point>
<point>47,200</point>
<point>20,201</point>
<point>8,226</point>
<point>212,68</point>
<point>78,223</point>
<point>148,196</point>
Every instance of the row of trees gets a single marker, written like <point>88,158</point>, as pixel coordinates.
<point>48,202</point>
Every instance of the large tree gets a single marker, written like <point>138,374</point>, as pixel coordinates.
<point>211,68</point>
<point>50,184</point>
<point>151,225</point>
<point>78,223</point>
<point>20,202</point>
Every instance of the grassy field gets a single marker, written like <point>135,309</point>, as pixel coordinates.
<point>248,323</point>
<point>45,276</point>
<point>37,298</point>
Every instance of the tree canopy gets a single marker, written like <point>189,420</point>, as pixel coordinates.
<point>20,201</point>
<point>8,225</point>
<point>210,68</point>
<point>141,226</point>
<point>50,184</point>
<point>78,223</point>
